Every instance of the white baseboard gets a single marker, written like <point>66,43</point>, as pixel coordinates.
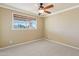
<point>53,41</point>
<point>28,42</point>
<point>20,44</point>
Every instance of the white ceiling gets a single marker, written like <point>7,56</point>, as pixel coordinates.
<point>33,7</point>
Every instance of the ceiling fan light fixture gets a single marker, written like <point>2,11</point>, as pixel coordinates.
<point>41,11</point>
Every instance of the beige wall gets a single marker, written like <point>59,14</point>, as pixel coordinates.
<point>63,27</point>
<point>16,36</point>
<point>0,29</point>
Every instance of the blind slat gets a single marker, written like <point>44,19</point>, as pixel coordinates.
<point>23,17</point>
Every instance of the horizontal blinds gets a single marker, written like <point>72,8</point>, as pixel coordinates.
<point>20,17</point>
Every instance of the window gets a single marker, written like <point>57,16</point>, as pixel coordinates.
<point>24,22</point>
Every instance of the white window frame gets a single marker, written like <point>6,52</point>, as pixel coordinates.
<point>22,28</point>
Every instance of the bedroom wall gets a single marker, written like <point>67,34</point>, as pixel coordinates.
<point>63,27</point>
<point>17,36</point>
<point>0,28</point>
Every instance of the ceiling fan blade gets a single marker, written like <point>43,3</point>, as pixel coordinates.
<point>39,13</point>
<point>47,12</point>
<point>49,6</point>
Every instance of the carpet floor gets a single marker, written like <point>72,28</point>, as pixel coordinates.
<point>40,48</point>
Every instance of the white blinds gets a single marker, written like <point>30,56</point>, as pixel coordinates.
<point>20,17</point>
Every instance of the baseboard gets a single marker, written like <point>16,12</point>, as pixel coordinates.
<point>28,42</point>
<point>53,41</point>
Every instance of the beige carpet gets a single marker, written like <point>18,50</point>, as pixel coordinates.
<point>40,48</point>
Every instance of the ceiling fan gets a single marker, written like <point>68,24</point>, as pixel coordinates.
<point>44,9</point>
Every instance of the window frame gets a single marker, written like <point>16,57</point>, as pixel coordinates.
<point>23,28</point>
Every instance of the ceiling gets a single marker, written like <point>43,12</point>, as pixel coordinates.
<point>33,7</point>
